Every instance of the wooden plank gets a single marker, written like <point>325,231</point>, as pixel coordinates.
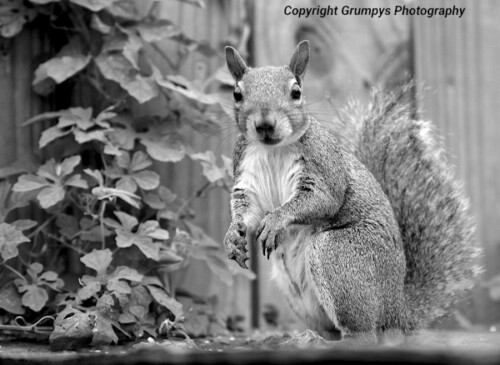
<point>455,58</point>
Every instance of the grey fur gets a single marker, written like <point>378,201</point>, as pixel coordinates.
<point>377,234</point>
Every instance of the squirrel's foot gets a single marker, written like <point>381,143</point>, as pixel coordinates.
<point>269,233</point>
<point>235,243</point>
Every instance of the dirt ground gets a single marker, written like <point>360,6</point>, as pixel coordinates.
<point>427,347</point>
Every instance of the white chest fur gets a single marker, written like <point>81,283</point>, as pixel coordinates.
<point>269,176</point>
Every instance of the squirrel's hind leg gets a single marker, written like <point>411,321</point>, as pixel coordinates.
<point>342,275</point>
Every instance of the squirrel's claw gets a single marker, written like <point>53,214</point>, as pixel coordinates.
<point>268,237</point>
<point>236,242</point>
<point>241,260</point>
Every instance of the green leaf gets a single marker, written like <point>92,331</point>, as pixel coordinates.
<point>72,330</point>
<point>68,165</point>
<point>103,333</point>
<point>77,182</point>
<point>125,239</point>
<point>147,180</point>
<point>84,137</point>
<point>220,268</point>
<point>13,16</point>
<point>98,260</point>
<point>182,86</point>
<point>162,298</point>
<point>154,201</point>
<point>127,183</point>
<point>29,182</point>
<point>34,297</point>
<point>96,174</point>
<point>168,256</point>
<point>156,30</point>
<point>127,318</point>
<point>124,9</point>
<point>97,24</point>
<point>50,196</point>
<point>24,224</point>
<point>44,116</point>
<point>123,138</point>
<point>109,193</point>
<point>127,273</point>
<point>210,169</point>
<point>149,248</point>
<point>89,290</point>
<point>50,171</point>
<point>10,300</point>
<point>94,5</point>
<point>139,162</point>
<point>164,150</point>
<point>127,221</point>
<point>78,116</point>
<point>117,68</point>
<point>105,303</point>
<point>43,2</point>
<point>68,226</point>
<point>119,286</point>
<point>10,238</point>
<point>50,135</point>
<point>69,61</point>
<point>198,3</point>
<point>123,160</point>
<point>48,276</point>
<point>34,269</point>
<point>152,229</point>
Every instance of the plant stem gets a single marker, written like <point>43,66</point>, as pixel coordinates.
<point>14,271</point>
<point>46,331</point>
<point>41,226</point>
<point>197,194</point>
<point>101,221</point>
<point>64,243</point>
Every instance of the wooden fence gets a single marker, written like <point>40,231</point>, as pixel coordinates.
<point>457,61</point>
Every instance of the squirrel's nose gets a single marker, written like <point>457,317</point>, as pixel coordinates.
<point>265,129</point>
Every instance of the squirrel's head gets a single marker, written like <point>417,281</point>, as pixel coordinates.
<point>268,101</point>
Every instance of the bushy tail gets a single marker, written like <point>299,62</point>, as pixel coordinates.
<point>429,204</point>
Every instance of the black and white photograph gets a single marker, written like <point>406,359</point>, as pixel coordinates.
<point>249,182</point>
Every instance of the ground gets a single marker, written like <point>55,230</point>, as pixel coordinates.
<point>428,347</point>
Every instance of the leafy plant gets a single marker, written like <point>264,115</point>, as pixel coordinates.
<point>98,199</point>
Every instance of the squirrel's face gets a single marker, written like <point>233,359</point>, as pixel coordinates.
<point>268,101</point>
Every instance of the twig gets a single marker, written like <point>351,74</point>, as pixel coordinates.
<point>64,243</point>
<point>93,82</point>
<point>46,331</point>
<point>41,227</point>
<point>101,221</point>
<point>14,270</point>
<point>197,194</point>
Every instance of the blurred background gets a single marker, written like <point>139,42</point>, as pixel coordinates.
<point>454,61</point>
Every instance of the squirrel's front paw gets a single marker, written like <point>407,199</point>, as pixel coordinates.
<point>269,233</point>
<point>235,243</point>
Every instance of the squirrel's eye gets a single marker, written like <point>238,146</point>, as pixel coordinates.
<point>296,93</point>
<point>238,96</point>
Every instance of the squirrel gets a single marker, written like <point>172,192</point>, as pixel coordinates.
<point>367,230</point>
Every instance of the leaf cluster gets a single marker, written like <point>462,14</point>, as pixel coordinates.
<point>99,199</point>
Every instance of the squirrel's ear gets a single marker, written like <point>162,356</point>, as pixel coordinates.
<point>235,63</point>
<point>300,59</point>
